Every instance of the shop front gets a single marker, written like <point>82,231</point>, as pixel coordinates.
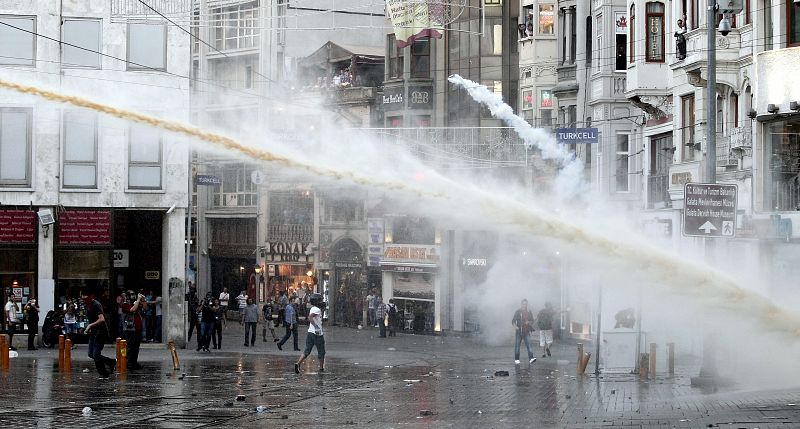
<point>350,279</point>
<point>411,278</point>
<point>17,257</point>
<point>290,267</point>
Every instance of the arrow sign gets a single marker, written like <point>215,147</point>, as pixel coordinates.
<point>707,227</point>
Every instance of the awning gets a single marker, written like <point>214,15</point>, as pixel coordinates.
<point>333,53</point>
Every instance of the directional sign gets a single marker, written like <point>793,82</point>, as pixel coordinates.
<point>709,210</point>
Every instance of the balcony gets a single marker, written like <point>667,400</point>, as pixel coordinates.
<point>731,148</point>
<point>290,233</point>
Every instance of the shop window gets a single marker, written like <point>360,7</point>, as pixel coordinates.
<point>688,126</point>
<point>654,28</point>
<point>783,164</point>
<point>632,29</point>
<point>15,147</point>
<point>547,19</point>
<point>144,158</point>
<point>527,99</point>
<point>147,46</point>
<point>80,150</point>
<point>421,59</point>
<point>622,182</point>
<point>792,23</point>
<point>18,45</point>
<point>395,65</point>
<point>82,33</point>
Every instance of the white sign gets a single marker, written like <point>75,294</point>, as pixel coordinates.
<point>257,177</point>
<point>121,258</point>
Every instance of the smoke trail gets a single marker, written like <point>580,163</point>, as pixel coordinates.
<point>569,181</point>
<point>714,288</point>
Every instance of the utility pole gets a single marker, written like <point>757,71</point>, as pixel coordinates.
<point>711,94</point>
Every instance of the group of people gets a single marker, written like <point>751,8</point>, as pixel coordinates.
<point>523,322</point>
<point>15,318</point>
<point>382,315</point>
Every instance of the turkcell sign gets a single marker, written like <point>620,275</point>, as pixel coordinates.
<point>206,180</point>
<point>709,210</point>
<point>577,135</point>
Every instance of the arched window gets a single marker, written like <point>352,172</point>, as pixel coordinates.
<point>654,30</point>
<point>632,27</point>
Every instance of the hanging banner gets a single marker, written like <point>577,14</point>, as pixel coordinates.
<point>414,19</point>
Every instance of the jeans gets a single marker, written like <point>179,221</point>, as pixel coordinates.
<point>157,333</point>
<point>33,329</point>
<point>519,338</point>
<point>382,325</point>
<point>134,341</point>
<point>250,332</point>
<point>95,348</point>
<point>216,334</point>
<point>289,332</point>
<point>315,340</point>
<point>193,323</point>
<point>204,336</point>
<point>371,317</point>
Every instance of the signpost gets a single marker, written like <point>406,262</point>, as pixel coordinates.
<point>709,210</point>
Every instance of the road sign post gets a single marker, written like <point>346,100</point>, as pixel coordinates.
<point>709,210</point>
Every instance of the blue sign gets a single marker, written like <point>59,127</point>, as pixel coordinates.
<point>577,135</point>
<point>206,180</point>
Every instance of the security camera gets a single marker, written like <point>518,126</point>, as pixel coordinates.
<point>46,217</point>
<point>724,26</point>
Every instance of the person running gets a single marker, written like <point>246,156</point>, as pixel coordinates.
<point>250,317</point>
<point>523,324</point>
<point>11,310</point>
<point>219,321</point>
<point>32,320</point>
<point>290,322</point>
<point>224,299</point>
<point>98,333</point>
<point>132,325</point>
<point>545,322</point>
<point>266,310</point>
<point>315,336</point>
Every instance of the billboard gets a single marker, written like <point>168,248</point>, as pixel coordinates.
<point>415,19</point>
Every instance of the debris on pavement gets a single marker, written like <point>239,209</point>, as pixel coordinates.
<point>501,373</point>
<point>425,412</point>
<point>240,397</point>
<point>262,409</point>
<point>86,411</point>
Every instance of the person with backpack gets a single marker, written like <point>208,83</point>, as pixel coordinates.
<point>98,333</point>
<point>391,310</point>
<point>132,327</point>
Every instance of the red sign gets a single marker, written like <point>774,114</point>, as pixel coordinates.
<point>17,226</point>
<point>84,227</point>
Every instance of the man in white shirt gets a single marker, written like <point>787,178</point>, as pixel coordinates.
<point>315,336</point>
<point>224,297</point>
<point>242,299</point>
<point>12,319</point>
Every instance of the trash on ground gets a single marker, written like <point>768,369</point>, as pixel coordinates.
<point>262,409</point>
<point>86,411</point>
<point>501,373</point>
<point>391,349</point>
<point>85,370</point>
<point>413,381</point>
<point>425,412</point>
<point>12,354</point>
<point>240,397</point>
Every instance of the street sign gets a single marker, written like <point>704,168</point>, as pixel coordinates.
<point>709,210</point>
<point>577,135</point>
<point>207,180</point>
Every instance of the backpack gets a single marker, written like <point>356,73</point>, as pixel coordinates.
<point>392,311</point>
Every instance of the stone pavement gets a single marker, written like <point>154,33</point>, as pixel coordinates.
<point>406,381</point>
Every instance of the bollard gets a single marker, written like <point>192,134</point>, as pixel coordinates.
<point>176,365</point>
<point>60,351</point>
<point>584,362</point>
<point>118,351</point>
<point>4,353</point>
<point>68,355</point>
<point>643,361</point>
<point>580,359</point>
<point>123,366</point>
<point>671,358</point>
<point>652,369</point>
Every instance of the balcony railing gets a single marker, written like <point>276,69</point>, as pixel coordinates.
<point>290,233</point>
<point>658,191</point>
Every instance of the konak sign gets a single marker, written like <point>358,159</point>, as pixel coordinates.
<point>287,252</point>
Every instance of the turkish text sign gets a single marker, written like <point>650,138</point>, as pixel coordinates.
<point>709,210</point>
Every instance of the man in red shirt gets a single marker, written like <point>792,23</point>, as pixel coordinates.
<point>523,322</point>
<point>132,327</point>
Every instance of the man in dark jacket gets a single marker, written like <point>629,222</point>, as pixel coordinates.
<point>132,326</point>
<point>97,330</point>
<point>523,325</point>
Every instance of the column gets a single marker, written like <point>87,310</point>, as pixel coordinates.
<point>173,289</point>
<point>45,283</point>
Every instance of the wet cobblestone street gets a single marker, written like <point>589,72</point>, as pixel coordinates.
<point>407,381</point>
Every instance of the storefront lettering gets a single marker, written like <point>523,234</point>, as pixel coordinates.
<point>410,253</point>
<point>287,251</point>
<point>84,227</point>
<point>17,226</point>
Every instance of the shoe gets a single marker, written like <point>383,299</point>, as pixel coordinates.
<point>322,370</point>
<point>544,355</point>
<point>516,361</point>
<point>252,344</point>
<point>32,348</point>
<point>112,366</point>
<point>297,368</point>
<point>548,352</point>
<point>275,340</point>
<point>12,348</point>
<point>297,350</point>
<point>280,347</point>
<point>532,360</point>
<point>198,349</point>
<point>245,344</point>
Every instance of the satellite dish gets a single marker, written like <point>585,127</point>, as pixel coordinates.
<point>257,177</point>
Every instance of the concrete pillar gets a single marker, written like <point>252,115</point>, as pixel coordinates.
<point>173,268</point>
<point>456,241</point>
<point>45,282</point>
<point>437,305</point>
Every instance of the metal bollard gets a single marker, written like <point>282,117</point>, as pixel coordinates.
<point>68,355</point>
<point>4,353</point>
<point>118,351</point>
<point>652,360</point>
<point>176,365</point>
<point>123,366</point>
<point>671,358</point>
<point>60,352</point>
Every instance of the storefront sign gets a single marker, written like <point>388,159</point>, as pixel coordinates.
<point>394,98</point>
<point>547,99</point>
<point>410,253</point>
<point>17,226</point>
<point>152,275</point>
<point>576,135</point>
<point>87,227</point>
<point>375,247</point>
<point>207,180</point>
<point>347,265</point>
<point>420,97</point>
<point>287,252</point>
<point>409,268</point>
<point>121,258</point>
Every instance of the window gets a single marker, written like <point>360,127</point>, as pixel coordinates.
<point>421,59</point>
<point>235,26</point>
<point>599,35</point>
<point>632,27</point>
<point>546,99</point>
<point>688,126</point>
<point>15,147</point>
<point>291,208</point>
<point>573,29</point>
<point>237,189</point>
<point>547,18</point>
<point>84,33</point>
<point>248,77</point>
<point>343,210</point>
<point>147,46</point>
<point>792,23</point>
<point>783,165</point>
<point>80,150</point>
<point>747,17</point>
<point>622,173</point>
<point>527,99</point>
<point>492,41</point>
<point>654,19</point>
<point>768,27</point>
<point>562,28</point>
<point>589,35</point>
<point>144,158</point>
<point>17,47</point>
<point>734,111</point>
<point>395,58</point>
<point>689,11</point>
<point>622,56</point>
<point>546,118</point>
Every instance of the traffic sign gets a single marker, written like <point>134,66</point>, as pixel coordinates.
<point>709,210</point>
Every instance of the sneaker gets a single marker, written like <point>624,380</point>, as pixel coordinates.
<point>548,352</point>
<point>275,340</point>
<point>297,368</point>
<point>516,361</point>
<point>280,347</point>
<point>245,344</point>
<point>532,360</point>
<point>297,350</point>
<point>322,370</point>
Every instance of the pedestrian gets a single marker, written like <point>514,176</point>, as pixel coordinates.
<point>371,309</point>
<point>132,325</point>
<point>224,300</point>
<point>282,301</point>
<point>31,312</point>
<point>250,318</point>
<point>219,321</point>
<point>12,319</point>
<point>242,300</point>
<point>98,333</point>
<point>545,322</point>
<point>156,303</point>
<point>206,325</point>
<point>315,336</point>
<point>380,315</point>
<point>266,310</point>
<point>70,320</point>
<point>194,321</point>
<point>523,324</point>
<point>149,317</point>
<point>290,322</point>
<point>391,311</point>
<point>680,40</point>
